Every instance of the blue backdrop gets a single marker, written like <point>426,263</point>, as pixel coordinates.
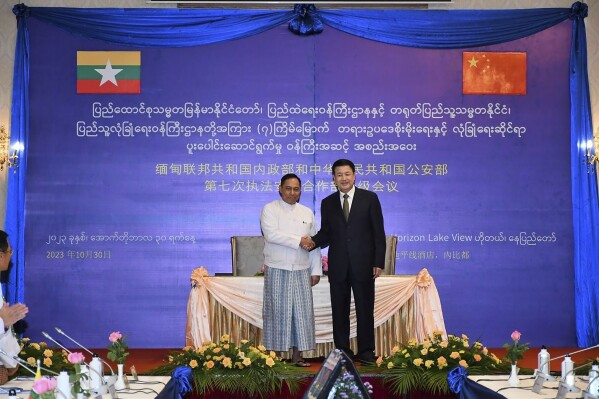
<point>126,194</point>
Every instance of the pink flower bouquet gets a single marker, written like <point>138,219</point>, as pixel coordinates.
<point>117,350</point>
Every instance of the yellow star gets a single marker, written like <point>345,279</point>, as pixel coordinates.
<point>473,62</point>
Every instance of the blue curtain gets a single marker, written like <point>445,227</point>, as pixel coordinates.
<point>584,191</point>
<point>413,28</point>
<point>19,131</point>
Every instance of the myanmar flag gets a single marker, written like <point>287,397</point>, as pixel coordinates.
<point>108,72</point>
<point>493,73</point>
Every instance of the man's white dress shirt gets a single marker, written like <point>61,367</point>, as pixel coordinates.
<point>283,226</point>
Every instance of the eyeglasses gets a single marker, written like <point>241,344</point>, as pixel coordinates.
<point>9,251</point>
<point>292,189</point>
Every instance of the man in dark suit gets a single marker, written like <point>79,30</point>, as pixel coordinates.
<point>353,228</point>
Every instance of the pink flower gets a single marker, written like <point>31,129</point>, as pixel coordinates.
<point>325,263</point>
<point>76,357</point>
<point>44,385</point>
<point>516,335</point>
<point>115,336</point>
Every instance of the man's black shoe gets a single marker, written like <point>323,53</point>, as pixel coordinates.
<point>367,358</point>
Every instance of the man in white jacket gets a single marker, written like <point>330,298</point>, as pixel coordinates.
<point>9,315</point>
<point>289,273</point>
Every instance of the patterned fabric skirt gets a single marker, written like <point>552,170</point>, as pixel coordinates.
<point>288,311</point>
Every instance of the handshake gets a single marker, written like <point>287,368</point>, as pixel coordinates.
<point>307,243</point>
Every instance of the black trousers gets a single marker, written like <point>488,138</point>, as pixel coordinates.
<point>364,304</point>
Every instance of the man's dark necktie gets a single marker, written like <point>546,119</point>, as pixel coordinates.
<point>345,207</point>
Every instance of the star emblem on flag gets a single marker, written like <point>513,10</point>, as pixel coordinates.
<point>473,62</point>
<point>490,72</point>
<point>109,74</point>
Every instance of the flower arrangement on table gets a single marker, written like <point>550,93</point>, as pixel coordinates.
<point>515,351</point>
<point>54,359</point>
<point>246,368</point>
<point>424,365</point>
<point>44,388</point>
<point>76,359</point>
<point>117,350</point>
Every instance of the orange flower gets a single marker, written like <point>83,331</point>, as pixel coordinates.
<point>442,362</point>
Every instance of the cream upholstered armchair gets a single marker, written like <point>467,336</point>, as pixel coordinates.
<point>390,255</point>
<point>248,255</point>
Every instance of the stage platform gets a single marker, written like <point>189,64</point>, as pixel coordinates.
<point>148,359</point>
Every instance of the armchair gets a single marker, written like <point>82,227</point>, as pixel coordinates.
<point>247,255</point>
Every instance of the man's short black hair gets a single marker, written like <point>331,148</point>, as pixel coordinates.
<point>290,176</point>
<point>344,162</point>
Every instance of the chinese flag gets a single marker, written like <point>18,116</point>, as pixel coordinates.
<point>493,73</point>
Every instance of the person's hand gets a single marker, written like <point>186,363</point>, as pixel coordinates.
<point>307,243</point>
<point>10,314</point>
<point>376,271</point>
<point>315,280</point>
